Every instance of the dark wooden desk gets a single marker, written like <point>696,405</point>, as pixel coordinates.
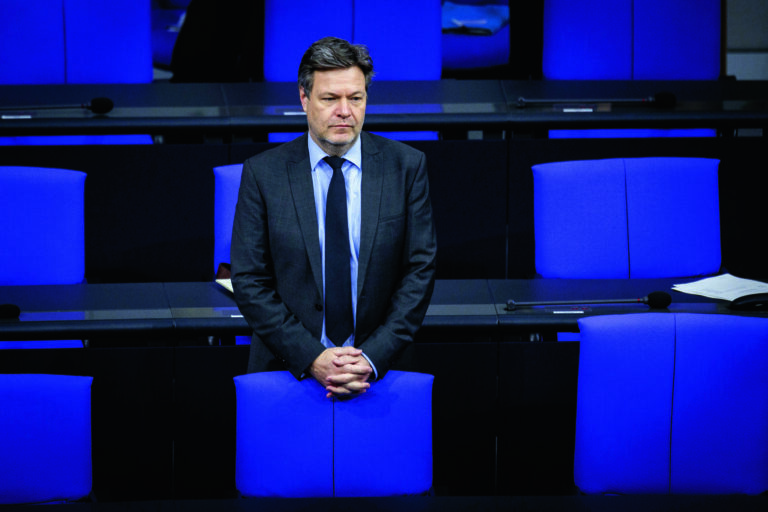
<point>177,310</point>
<point>246,108</point>
<point>163,356</point>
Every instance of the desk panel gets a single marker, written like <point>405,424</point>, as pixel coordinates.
<point>658,503</point>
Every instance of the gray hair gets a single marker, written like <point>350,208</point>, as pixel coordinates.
<point>331,53</point>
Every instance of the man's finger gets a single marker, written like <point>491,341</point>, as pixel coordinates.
<point>347,359</point>
<point>345,351</point>
<point>346,378</point>
<point>349,390</point>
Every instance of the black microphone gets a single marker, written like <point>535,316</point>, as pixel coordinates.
<point>654,300</point>
<point>96,105</point>
<point>100,105</point>
<point>660,100</point>
<point>9,311</point>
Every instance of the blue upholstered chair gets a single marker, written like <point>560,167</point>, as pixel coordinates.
<point>45,438</point>
<point>43,239</point>
<point>391,30</point>
<point>43,213</point>
<point>672,404</point>
<point>75,42</point>
<point>108,42</point>
<point>292,441</point>
<point>632,40</point>
<point>226,187</point>
<point>475,34</point>
<point>32,48</point>
<point>627,218</point>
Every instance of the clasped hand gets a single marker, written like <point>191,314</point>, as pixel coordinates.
<point>342,371</point>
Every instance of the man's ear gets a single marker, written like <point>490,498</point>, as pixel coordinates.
<point>304,98</point>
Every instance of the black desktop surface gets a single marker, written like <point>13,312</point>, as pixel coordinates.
<point>206,307</point>
<point>565,317</point>
<point>85,310</point>
<point>138,108</point>
<point>242,108</point>
<point>637,103</point>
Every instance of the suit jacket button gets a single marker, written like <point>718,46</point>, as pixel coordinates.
<point>319,307</point>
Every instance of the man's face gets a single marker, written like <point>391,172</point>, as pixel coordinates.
<point>335,108</point>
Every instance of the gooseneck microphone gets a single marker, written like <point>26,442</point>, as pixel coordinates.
<point>654,300</point>
<point>96,105</point>
<point>660,100</point>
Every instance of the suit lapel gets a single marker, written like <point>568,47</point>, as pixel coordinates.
<point>371,189</point>
<point>302,192</point>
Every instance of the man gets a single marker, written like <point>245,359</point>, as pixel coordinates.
<point>282,245</point>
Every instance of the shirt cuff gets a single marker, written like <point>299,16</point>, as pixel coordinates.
<point>375,373</point>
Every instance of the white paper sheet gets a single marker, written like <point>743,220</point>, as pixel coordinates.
<point>724,286</point>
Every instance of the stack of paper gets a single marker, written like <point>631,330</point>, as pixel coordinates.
<point>226,283</point>
<point>724,286</point>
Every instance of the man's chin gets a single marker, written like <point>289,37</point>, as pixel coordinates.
<point>340,142</point>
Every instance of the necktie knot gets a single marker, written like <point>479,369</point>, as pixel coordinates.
<point>335,162</point>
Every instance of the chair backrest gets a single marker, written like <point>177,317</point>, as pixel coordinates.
<point>43,212</point>
<point>627,218</point>
<point>32,47</point>
<point>108,42</point>
<point>75,41</point>
<point>226,187</point>
<point>387,28</point>
<point>283,423</point>
<point>672,403</point>
<point>45,438</point>
<point>632,39</point>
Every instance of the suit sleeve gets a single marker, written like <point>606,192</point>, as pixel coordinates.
<point>407,306</point>
<point>254,277</point>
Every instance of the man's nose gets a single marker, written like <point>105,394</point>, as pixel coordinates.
<point>343,109</point>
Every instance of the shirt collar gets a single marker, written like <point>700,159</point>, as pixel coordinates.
<point>316,153</point>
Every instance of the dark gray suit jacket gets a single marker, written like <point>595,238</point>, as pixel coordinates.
<point>276,260</point>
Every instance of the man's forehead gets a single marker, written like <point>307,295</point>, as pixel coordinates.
<point>347,79</point>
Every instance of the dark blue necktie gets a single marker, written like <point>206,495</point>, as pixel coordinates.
<point>338,282</point>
